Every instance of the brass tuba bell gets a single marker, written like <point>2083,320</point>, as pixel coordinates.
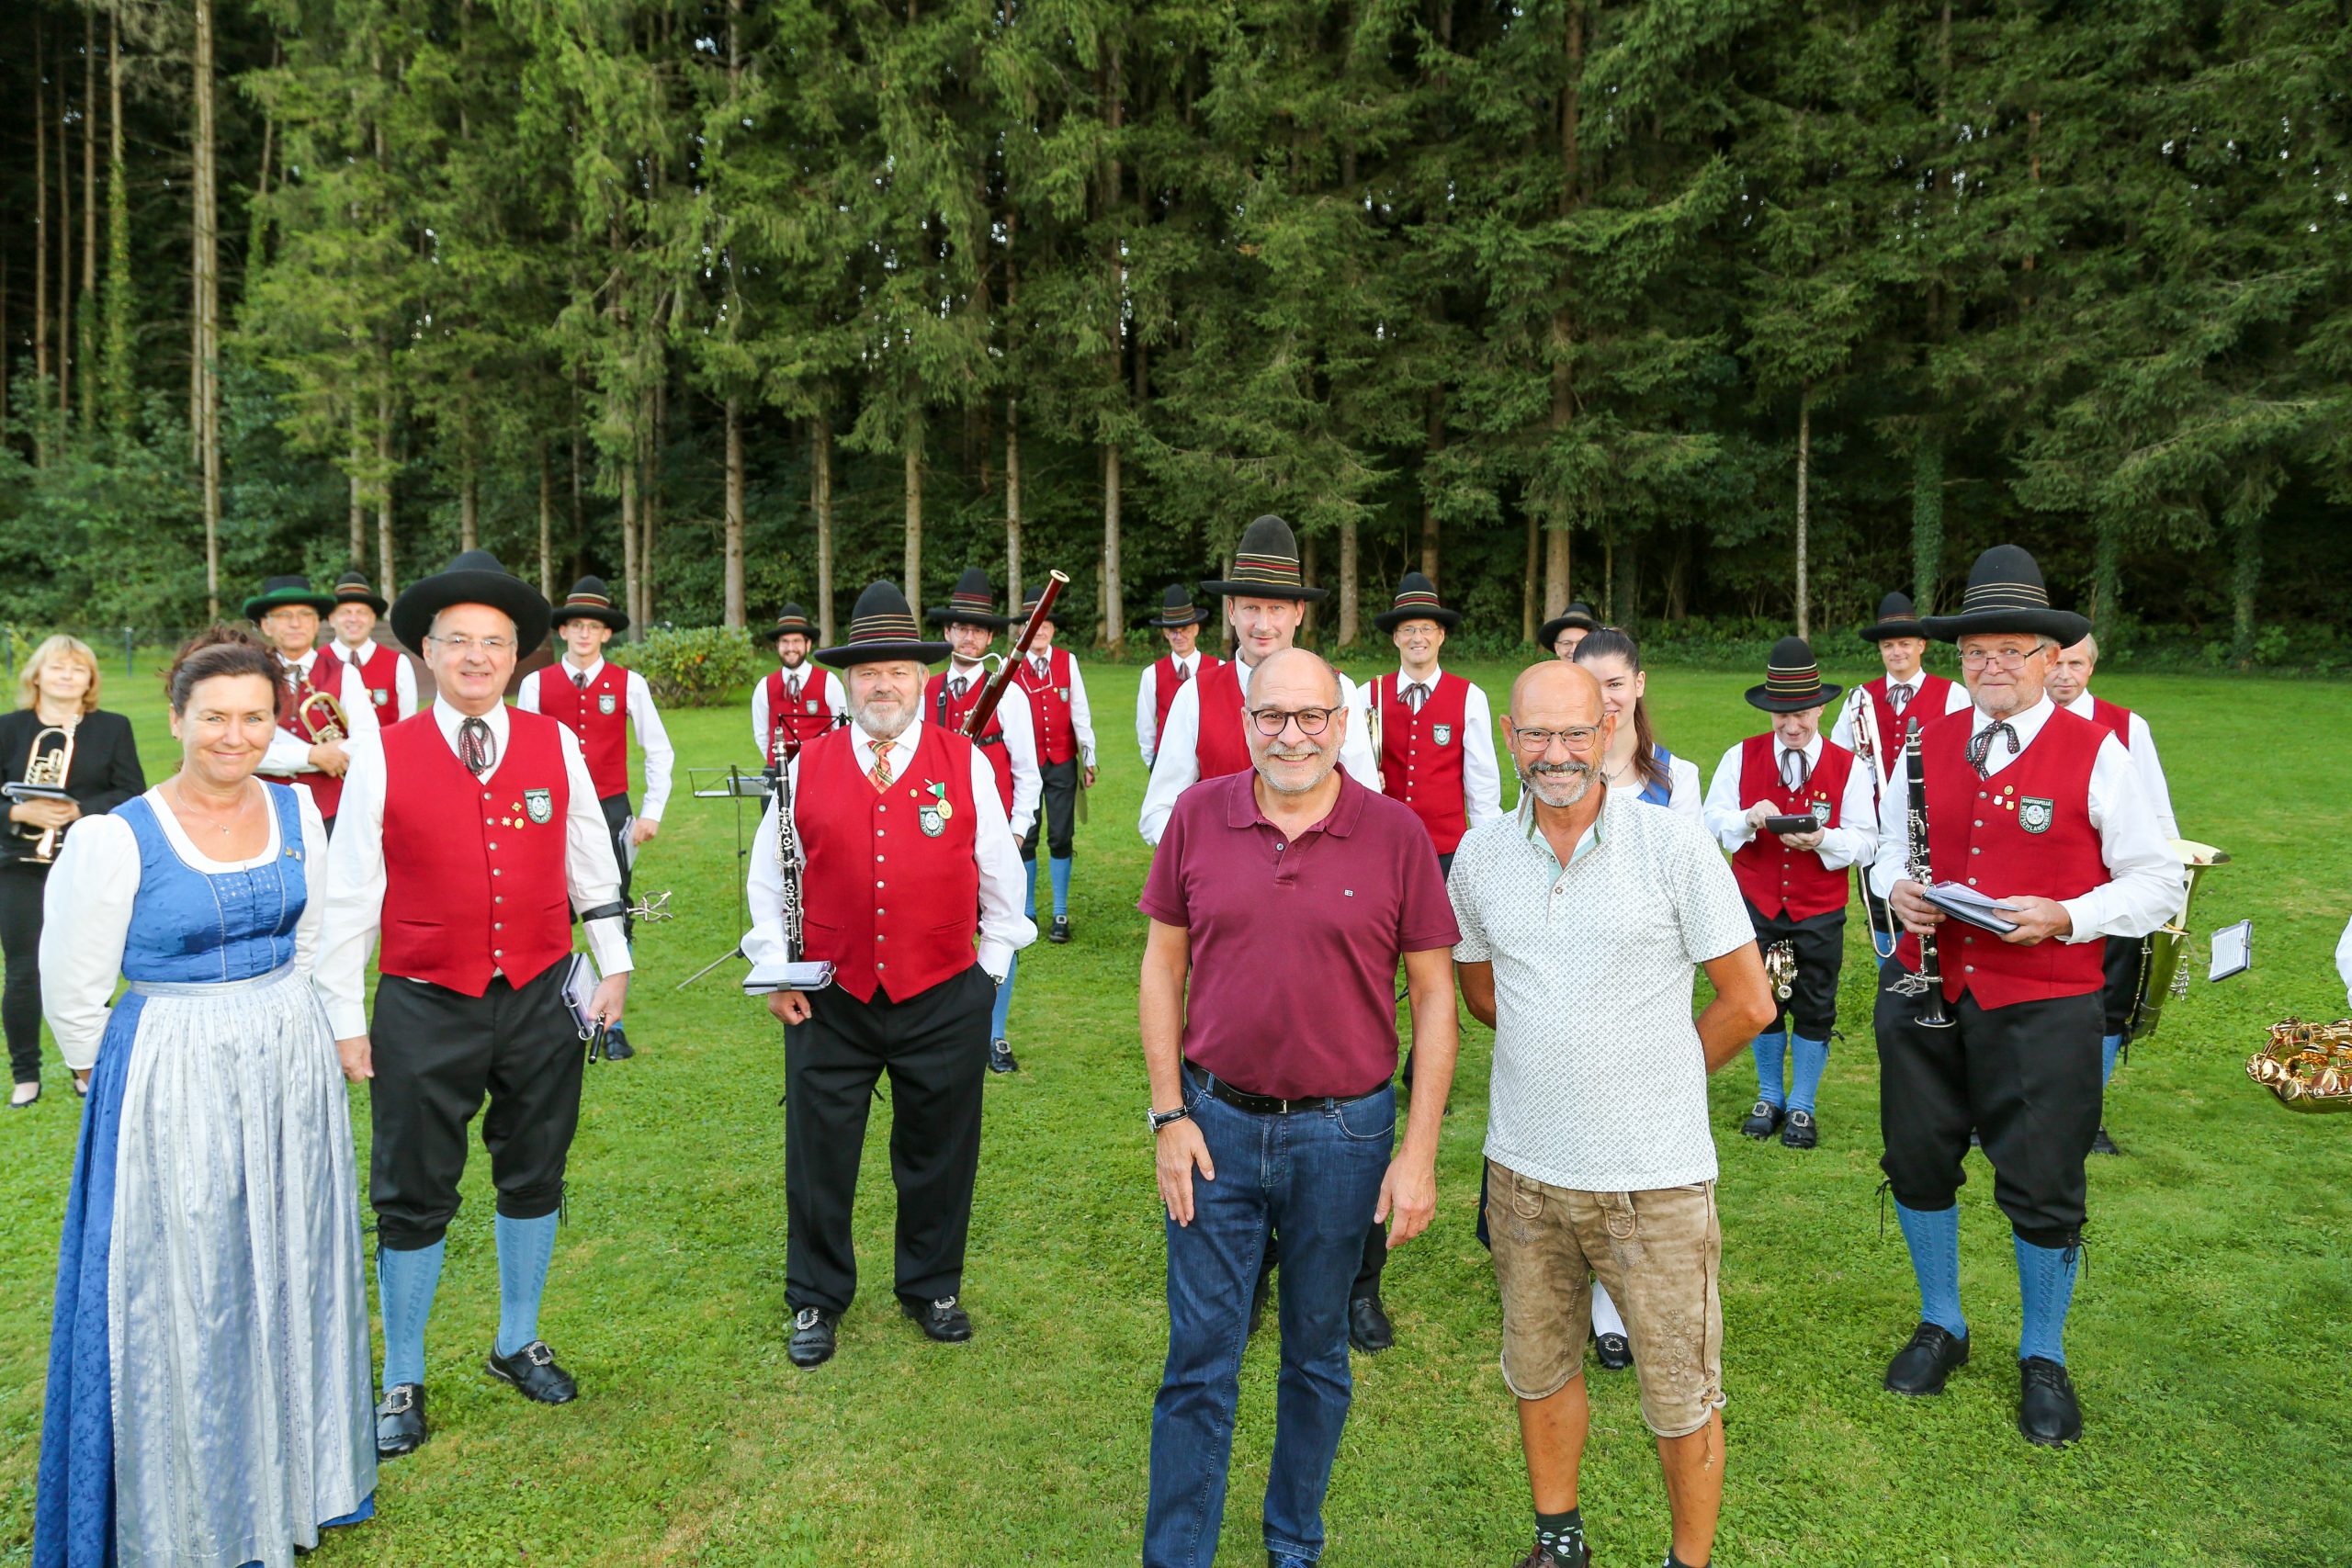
<point>2162,972</point>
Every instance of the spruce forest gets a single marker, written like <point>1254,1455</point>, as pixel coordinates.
<point>1724,315</point>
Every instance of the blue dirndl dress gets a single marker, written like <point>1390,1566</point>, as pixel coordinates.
<point>210,1386</point>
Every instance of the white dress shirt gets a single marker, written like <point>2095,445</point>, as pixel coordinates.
<point>1482,779</point>
<point>2146,886</point>
<point>643,715</point>
<point>2343,959</point>
<point>92,898</point>
<point>763,722</point>
<point>1178,766</point>
<point>357,877</point>
<point>1081,714</point>
<point>1004,887</point>
<point>2143,758</point>
<point>1854,841</point>
<point>1147,701</point>
<point>1020,725</point>
<point>288,753</point>
<point>404,671</point>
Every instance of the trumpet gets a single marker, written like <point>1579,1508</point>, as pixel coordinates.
<point>322,717</point>
<point>2307,1066</point>
<point>45,773</point>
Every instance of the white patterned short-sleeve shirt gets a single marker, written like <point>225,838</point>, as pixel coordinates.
<point>1599,1084</point>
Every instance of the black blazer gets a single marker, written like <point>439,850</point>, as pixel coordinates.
<point>106,771</point>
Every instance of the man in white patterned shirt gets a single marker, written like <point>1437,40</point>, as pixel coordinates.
<point>1583,917</point>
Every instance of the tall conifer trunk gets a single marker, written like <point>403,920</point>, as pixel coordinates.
<point>206,266</point>
<point>820,437</point>
<point>1804,474</point>
<point>914,510</point>
<point>732,611</point>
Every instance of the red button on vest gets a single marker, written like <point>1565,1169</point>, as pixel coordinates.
<point>1416,766</point>
<point>599,716</point>
<point>1773,877</point>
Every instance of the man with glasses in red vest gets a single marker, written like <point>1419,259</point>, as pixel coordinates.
<point>1181,624</point>
<point>307,748</point>
<point>797,701</point>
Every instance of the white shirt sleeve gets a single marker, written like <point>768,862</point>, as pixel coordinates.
<point>404,683</point>
<point>1842,732</point>
<point>1146,709</point>
<point>1894,862</point>
<point>760,732</point>
<point>1021,750</point>
<point>1178,766</point>
<point>1355,752</point>
<point>314,884</point>
<point>2152,777</point>
<point>1956,697</point>
<point>1081,717</point>
<point>358,708</point>
<point>352,902</point>
<point>1682,790</point>
<point>1854,841</point>
<point>655,741</point>
<point>591,867</point>
<point>527,692</point>
<point>836,698</point>
<point>85,919</point>
<point>2144,876</point>
<point>1723,817</point>
<point>1482,778</point>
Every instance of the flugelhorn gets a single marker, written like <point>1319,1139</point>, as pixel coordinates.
<point>45,773</point>
<point>2307,1066</point>
<point>324,731</point>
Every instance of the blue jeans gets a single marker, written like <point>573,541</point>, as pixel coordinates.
<point>1314,1177</point>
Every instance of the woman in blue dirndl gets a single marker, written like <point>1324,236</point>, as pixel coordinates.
<point>209,1378</point>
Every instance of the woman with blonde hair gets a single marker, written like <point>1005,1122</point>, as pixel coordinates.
<point>57,708</point>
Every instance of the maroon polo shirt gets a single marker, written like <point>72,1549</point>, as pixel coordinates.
<point>1295,946</point>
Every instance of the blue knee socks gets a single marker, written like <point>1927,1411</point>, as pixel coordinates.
<point>1060,869</point>
<point>405,1282</point>
<point>1004,1009</point>
<point>525,1248</point>
<point>1808,1059</point>
<point>2109,1047</point>
<point>1029,907</point>
<point>1933,1237</point>
<point>1769,1049</point>
<point>2046,1289</point>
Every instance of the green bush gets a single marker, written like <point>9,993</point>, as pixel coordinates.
<point>693,667</point>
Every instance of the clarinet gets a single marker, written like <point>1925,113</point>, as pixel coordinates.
<point>1929,981</point>
<point>791,861</point>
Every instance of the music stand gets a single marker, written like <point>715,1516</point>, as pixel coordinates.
<point>730,782</point>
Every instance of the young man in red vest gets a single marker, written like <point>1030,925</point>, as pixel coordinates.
<point>600,702</point>
<point>1181,624</point>
<point>909,863</point>
<point>1433,731</point>
<point>311,747</point>
<point>2041,811</point>
<point>1794,884</point>
<point>384,670</point>
<point>1871,725</point>
<point>1064,722</point>
<point>1009,741</point>
<point>797,701</point>
<point>476,925</point>
<point>1205,737</point>
<point>2071,669</point>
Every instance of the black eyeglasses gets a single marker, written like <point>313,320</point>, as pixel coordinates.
<point>1311,722</point>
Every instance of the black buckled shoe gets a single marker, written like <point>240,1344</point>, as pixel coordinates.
<point>1001,1057</point>
<point>617,1045</point>
<point>1060,931</point>
<point>534,1374</point>
<point>2047,1412</point>
<point>1801,1131</point>
<point>2103,1144</point>
<point>941,1321</point>
<point>400,1421</point>
<point>1616,1352</point>
<point>1921,1367</point>
<point>1369,1329</point>
<point>1764,1119</point>
<point>813,1340</point>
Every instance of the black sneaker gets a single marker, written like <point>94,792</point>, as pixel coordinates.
<point>1001,1057</point>
<point>2103,1144</point>
<point>940,1320</point>
<point>533,1373</point>
<point>2047,1412</point>
<point>1921,1367</point>
<point>1764,1119</point>
<point>1060,931</point>
<point>1802,1132</point>
<point>812,1340</point>
<point>400,1421</point>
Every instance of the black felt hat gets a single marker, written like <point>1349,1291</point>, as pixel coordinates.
<point>972,603</point>
<point>882,627</point>
<point>1265,566</point>
<point>1416,601</point>
<point>1793,680</point>
<point>473,577</point>
<point>1177,609</point>
<point>1897,617</point>
<point>352,588</point>
<point>276,592</point>
<point>2006,594</point>
<point>791,618</point>
<point>1578,614</point>
<point>589,601</point>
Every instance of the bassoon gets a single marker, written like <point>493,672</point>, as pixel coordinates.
<point>1929,981</point>
<point>993,692</point>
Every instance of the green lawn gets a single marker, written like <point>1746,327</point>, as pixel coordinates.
<point>2207,1336</point>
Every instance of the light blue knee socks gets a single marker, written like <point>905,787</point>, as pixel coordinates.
<point>1808,1059</point>
<point>1933,1237</point>
<point>405,1282</point>
<point>2045,1289</point>
<point>2110,1047</point>
<point>1060,871</point>
<point>1004,1009</point>
<point>1029,904</point>
<point>1771,1049</point>
<point>525,1248</point>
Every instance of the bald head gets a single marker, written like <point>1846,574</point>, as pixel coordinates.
<point>1554,696</point>
<point>1298,677</point>
<point>1559,731</point>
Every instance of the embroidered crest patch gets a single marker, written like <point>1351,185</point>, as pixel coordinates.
<point>540,805</point>
<point>1821,812</point>
<point>933,819</point>
<point>808,706</point>
<point>379,695</point>
<point>607,704</point>
<point>1441,733</point>
<point>2035,813</point>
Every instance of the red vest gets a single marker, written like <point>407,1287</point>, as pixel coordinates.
<point>802,721</point>
<point>381,675</point>
<point>1420,755</point>
<point>326,790</point>
<point>463,903</point>
<point>1049,710</point>
<point>1164,689</point>
<point>1931,694</point>
<point>893,905</point>
<point>599,715</point>
<point>1773,877</point>
<point>1980,833</point>
<point>1219,745</point>
<point>949,713</point>
<point>2118,720</point>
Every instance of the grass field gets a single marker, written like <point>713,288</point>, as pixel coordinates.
<point>2208,1339</point>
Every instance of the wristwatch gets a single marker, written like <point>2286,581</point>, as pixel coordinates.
<point>1160,1119</point>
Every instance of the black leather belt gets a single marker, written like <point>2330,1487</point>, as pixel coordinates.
<point>1265,1104</point>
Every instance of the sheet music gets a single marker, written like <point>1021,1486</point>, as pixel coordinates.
<point>2233,951</point>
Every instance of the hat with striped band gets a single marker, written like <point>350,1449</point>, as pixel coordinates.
<point>791,621</point>
<point>589,601</point>
<point>1416,601</point>
<point>882,627</point>
<point>352,588</point>
<point>2005,593</point>
<point>1896,618</point>
<point>278,592</point>
<point>1265,566</point>
<point>1793,680</point>
<point>1177,609</point>
<point>971,604</point>
<point>1578,614</point>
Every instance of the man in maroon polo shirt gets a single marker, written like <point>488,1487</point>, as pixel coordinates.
<point>1281,901</point>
